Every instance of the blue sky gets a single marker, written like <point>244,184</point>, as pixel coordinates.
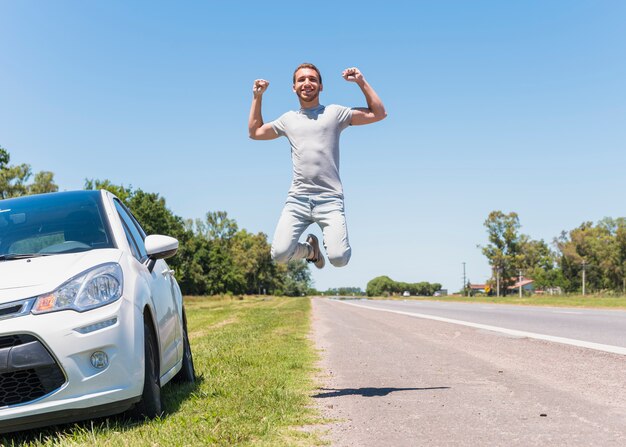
<point>515,106</point>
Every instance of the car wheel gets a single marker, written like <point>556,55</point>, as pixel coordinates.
<point>187,373</point>
<point>150,404</point>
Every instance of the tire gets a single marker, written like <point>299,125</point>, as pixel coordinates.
<point>150,405</point>
<point>187,373</point>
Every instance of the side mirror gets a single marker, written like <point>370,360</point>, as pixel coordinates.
<point>159,247</point>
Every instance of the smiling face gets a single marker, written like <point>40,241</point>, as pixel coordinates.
<point>307,85</point>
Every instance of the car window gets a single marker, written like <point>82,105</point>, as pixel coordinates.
<point>53,224</point>
<point>132,228</point>
<point>135,221</point>
<point>131,242</point>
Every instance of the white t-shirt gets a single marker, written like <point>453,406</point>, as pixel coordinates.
<point>314,138</point>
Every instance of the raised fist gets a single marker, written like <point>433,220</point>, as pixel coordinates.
<point>352,74</point>
<point>260,85</point>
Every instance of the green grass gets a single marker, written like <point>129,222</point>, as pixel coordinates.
<point>593,301</point>
<point>256,367</point>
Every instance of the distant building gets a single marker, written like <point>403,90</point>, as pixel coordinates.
<point>525,283</point>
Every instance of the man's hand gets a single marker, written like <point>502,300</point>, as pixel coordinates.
<point>375,110</point>
<point>260,85</point>
<point>256,128</point>
<point>352,74</point>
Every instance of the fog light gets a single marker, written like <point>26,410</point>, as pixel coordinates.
<point>99,359</point>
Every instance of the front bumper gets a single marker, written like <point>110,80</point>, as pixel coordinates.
<point>66,341</point>
<point>27,370</point>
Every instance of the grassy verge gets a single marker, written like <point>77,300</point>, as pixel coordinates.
<point>592,301</point>
<point>255,364</point>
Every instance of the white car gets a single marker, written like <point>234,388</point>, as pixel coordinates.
<point>91,317</point>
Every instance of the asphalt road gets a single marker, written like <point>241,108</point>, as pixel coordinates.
<point>397,380</point>
<point>591,325</point>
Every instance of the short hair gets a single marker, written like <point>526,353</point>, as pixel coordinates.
<point>307,65</point>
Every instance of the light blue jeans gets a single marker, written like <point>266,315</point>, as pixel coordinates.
<point>300,212</point>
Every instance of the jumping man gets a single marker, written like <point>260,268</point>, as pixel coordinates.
<point>316,193</point>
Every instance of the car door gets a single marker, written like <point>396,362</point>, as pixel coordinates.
<point>162,287</point>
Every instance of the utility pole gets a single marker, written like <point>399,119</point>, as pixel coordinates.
<point>584,265</point>
<point>520,283</point>
<point>464,282</point>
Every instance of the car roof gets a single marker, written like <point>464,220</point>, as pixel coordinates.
<point>79,194</point>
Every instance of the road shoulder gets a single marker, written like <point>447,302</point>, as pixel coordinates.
<point>397,380</point>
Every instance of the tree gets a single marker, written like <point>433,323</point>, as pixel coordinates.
<point>539,262</point>
<point>14,179</point>
<point>509,251</point>
<point>298,278</point>
<point>42,183</point>
<point>598,249</point>
<point>218,226</point>
<point>252,260</point>
<point>193,273</point>
<point>222,276</point>
<point>504,250</point>
<point>380,286</point>
<point>620,240</point>
<point>122,192</point>
<point>385,286</point>
<point>193,258</point>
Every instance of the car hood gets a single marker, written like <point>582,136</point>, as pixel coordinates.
<point>23,278</point>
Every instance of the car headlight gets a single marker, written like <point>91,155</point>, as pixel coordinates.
<point>93,288</point>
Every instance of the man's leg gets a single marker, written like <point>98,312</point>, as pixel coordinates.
<point>294,219</point>
<point>330,216</point>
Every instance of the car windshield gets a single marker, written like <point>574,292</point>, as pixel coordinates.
<point>54,223</point>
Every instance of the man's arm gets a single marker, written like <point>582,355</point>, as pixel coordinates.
<point>256,129</point>
<point>375,110</point>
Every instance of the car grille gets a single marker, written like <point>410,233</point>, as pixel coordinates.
<point>9,341</point>
<point>11,310</point>
<point>24,385</point>
<point>16,308</point>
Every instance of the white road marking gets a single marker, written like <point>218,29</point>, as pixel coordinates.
<point>567,341</point>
